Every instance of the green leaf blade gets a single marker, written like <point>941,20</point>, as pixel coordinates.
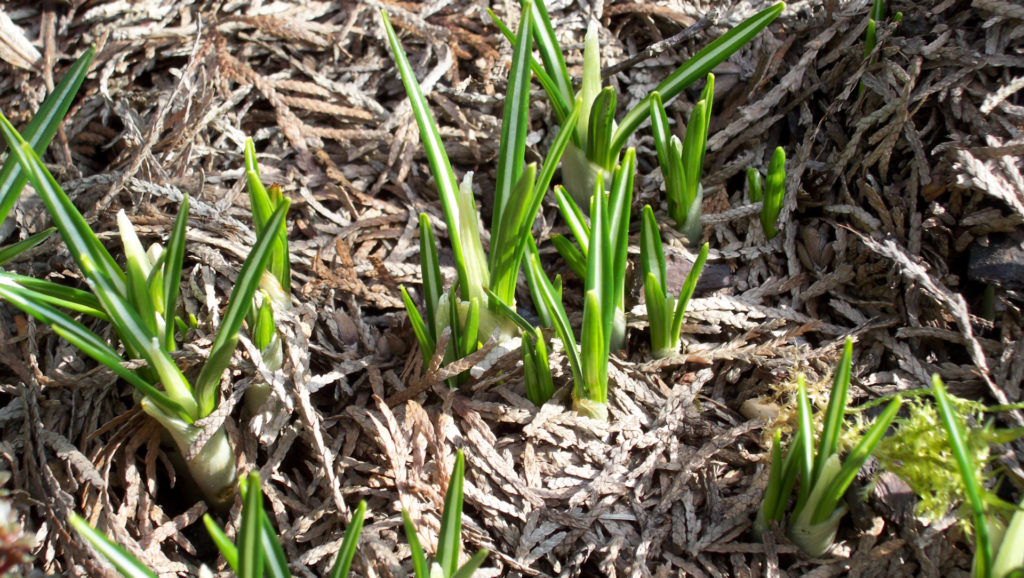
<point>239,304</point>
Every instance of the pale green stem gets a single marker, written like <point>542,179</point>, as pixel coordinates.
<point>213,468</point>
<point>815,539</point>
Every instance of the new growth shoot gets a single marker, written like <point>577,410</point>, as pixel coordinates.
<point>255,552</point>
<point>449,542</point>
<point>605,258</point>
<point>597,138</point>
<point>824,476</point>
<point>682,161</point>
<point>770,192</point>
<point>471,313</point>
<point>275,283</point>
<point>664,313</point>
<point>140,302</point>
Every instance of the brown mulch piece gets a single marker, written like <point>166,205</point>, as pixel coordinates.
<point>889,190</point>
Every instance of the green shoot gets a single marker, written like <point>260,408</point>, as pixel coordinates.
<point>125,563</point>
<point>275,282</point>
<point>870,36</point>
<point>769,192</point>
<point>824,476</point>
<point>42,128</point>
<point>683,161</point>
<point>258,551</point>
<point>999,552</point>
<point>664,313</point>
<point>140,302</point>
<point>518,194</point>
<point>603,321</point>
<point>449,542</point>
<point>39,132</point>
<point>597,141</point>
<point>617,205</point>
<point>539,383</point>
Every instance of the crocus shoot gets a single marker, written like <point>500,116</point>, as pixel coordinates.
<point>604,276</point>
<point>274,292</point>
<point>449,542</point>
<point>824,477</point>
<point>682,161</point>
<point>256,550</point>
<point>664,313</point>
<point>519,190</point>
<point>141,304</point>
<point>770,192</point>
<point>597,139</point>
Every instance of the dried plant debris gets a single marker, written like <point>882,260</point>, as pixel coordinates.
<point>901,226</point>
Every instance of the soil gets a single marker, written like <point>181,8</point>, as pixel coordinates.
<point>890,189</point>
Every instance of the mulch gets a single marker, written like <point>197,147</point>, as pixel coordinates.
<point>896,196</point>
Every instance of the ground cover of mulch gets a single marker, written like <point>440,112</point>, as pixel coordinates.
<point>904,202</point>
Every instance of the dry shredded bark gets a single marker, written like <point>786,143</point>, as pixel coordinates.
<point>888,192</point>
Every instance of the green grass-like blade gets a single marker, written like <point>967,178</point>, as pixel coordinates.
<point>540,385</point>
<point>686,293</point>
<point>574,218</point>
<point>423,335</point>
<point>805,455</point>
<point>469,335</point>
<point>40,130</point>
<point>250,547</point>
<point>419,559</point>
<point>965,462</point>
<point>90,344</point>
<point>449,541</point>
<point>259,199</point>
<point>594,351</point>
<point>770,510</point>
<point>127,564</point>
<point>854,461</point>
<point>14,249</point>
<point>59,295</point>
<point>701,64</point>
<point>208,382</point>
<point>600,127</point>
<point>708,96</point>
<point>347,552</point>
<point>620,204</point>
<point>275,563</point>
<point>430,269</point>
<point>600,277</point>
<point>546,82</point>
<point>836,410</point>
<point>652,255</point>
<point>224,544</point>
<point>550,51</point>
<point>774,191</point>
<point>262,203</point>
<point>506,250</point>
<point>755,185</point>
<point>548,299</point>
<point>79,238</point>
<point>693,150</point>
<point>662,137</point>
<point>657,315</point>
<point>263,329</point>
<point>440,167</point>
<point>572,256</point>
<point>514,122</point>
<point>878,10</point>
<point>174,258</point>
<point>471,566</point>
